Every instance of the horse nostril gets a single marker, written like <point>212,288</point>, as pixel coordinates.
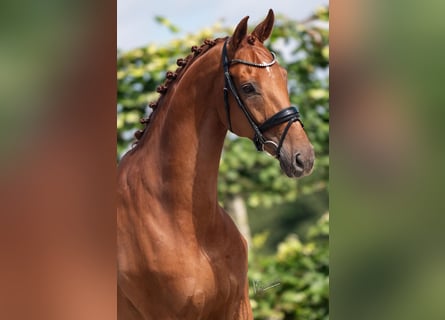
<point>299,164</point>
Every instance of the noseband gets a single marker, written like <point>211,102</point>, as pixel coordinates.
<point>289,115</point>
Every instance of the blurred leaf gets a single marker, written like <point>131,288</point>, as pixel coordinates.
<point>167,23</point>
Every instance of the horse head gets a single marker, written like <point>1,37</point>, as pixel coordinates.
<point>257,100</point>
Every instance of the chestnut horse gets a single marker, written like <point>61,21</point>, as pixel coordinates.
<point>180,256</point>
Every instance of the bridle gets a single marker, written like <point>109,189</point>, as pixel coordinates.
<point>289,115</point>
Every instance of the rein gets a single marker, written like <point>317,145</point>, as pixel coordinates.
<point>289,115</point>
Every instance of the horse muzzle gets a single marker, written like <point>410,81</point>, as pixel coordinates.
<point>298,164</point>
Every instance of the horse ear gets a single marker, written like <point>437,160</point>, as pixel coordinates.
<point>264,29</point>
<point>239,34</point>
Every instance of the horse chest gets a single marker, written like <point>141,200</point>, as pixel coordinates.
<point>215,285</point>
<point>205,268</point>
<point>206,278</point>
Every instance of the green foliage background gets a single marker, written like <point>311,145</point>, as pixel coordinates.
<point>294,282</point>
<point>295,253</point>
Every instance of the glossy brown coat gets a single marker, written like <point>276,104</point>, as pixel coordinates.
<point>180,256</point>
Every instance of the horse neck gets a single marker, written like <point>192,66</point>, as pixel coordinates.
<point>181,150</point>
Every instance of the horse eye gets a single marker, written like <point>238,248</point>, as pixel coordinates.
<point>248,88</point>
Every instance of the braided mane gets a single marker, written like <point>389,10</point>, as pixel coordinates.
<point>170,77</point>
